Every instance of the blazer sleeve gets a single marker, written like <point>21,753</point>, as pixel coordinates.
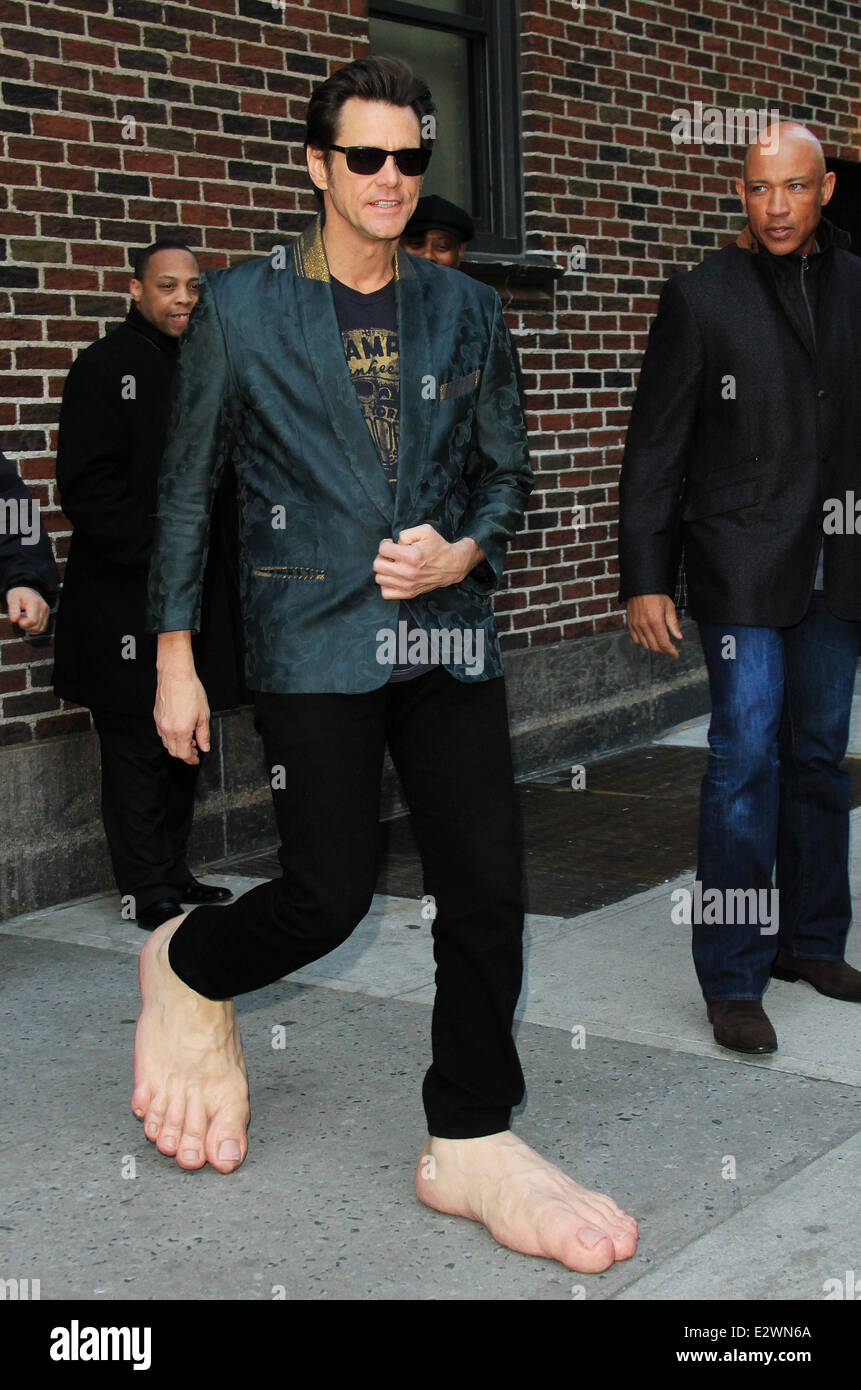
<point>497,470</point>
<point>92,459</point>
<point>656,447</point>
<point>203,420</point>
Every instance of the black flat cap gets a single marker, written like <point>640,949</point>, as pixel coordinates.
<point>434,211</point>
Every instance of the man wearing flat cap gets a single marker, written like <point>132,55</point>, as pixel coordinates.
<point>438,230</point>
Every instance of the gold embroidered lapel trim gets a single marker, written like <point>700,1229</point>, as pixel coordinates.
<point>309,254</point>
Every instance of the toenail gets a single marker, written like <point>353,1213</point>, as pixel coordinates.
<point>190,1155</point>
<point>152,1129</point>
<point>228,1149</point>
<point>590,1237</point>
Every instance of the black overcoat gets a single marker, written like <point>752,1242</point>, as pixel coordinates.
<point>113,423</point>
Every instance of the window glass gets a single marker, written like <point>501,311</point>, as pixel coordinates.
<point>442,59</point>
<point>449,6</point>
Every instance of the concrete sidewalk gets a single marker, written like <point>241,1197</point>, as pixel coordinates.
<point>743,1174</point>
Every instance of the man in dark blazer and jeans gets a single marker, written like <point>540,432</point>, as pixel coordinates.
<point>383,467</point>
<point>743,438</point>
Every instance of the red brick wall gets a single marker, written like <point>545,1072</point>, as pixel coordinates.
<point>600,171</point>
<point>217,90</point>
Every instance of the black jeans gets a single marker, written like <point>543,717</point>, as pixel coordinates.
<point>147,807</point>
<point>449,742</point>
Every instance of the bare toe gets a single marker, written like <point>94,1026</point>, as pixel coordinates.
<point>154,1117</point>
<point>172,1127</point>
<point>226,1141</point>
<point>141,1097</point>
<point>624,1240</point>
<point>589,1251</point>
<point>191,1150</point>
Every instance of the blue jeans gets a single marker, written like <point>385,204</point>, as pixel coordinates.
<point>775,799</point>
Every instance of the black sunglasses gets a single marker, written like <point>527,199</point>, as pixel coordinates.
<point>367,159</point>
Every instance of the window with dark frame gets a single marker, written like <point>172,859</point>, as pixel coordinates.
<point>468,53</point>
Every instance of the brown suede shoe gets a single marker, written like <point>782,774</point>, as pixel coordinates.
<point>832,977</point>
<point>743,1025</point>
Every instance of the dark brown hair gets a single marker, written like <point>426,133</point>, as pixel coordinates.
<point>374,78</point>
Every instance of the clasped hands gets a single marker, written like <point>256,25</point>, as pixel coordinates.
<point>420,560</point>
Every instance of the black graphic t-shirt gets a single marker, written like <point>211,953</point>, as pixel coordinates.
<point>369,332</point>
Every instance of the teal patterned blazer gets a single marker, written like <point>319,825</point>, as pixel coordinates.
<point>263,379</point>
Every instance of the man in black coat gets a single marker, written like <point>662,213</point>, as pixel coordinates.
<point>742,450</point>
<point>113,423</point>
<point>28,574</point>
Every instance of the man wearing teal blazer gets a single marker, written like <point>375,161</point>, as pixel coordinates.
<point>371,403</point>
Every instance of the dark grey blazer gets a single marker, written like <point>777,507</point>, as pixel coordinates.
<point>740,431</point>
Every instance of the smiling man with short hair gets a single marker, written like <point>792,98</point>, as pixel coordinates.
<point>383,464</point>
<point>164,285</point>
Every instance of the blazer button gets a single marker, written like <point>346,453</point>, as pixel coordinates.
<point>821,394</point>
